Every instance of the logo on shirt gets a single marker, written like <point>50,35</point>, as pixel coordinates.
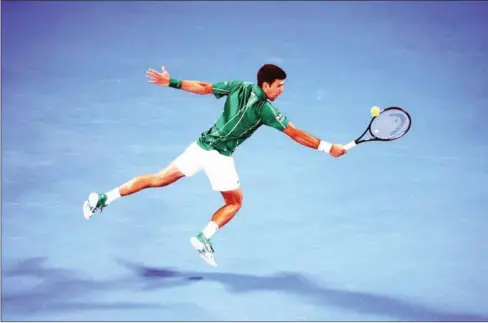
<point>280,117</point>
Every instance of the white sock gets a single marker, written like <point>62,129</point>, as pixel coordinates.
<point>210,229</point>
<point>112,195</point>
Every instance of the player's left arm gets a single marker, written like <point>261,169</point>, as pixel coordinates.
<point>197,87</point>
<point>219,89</point>
<point>164,79</point>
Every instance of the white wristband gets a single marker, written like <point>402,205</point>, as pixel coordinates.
<point>325,146</point>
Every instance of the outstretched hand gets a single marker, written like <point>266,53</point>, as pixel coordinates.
<point>337,150</point>
<point>159,78</point>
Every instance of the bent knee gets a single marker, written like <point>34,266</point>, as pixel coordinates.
<point>237,203</point>
<point>237,199</point>
<point>234,198</point>
<point>235,206</point>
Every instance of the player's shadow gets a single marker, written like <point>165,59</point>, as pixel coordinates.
<point>305,289</point>
<point>30,286</point>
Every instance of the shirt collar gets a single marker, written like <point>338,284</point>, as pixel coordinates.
<point>259,92</point>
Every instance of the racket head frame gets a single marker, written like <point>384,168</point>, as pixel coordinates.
<point>374,138</point>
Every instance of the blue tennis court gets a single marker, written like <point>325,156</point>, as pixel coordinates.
<point>391,231</point>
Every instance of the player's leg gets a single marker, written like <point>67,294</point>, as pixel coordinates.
<point>187,164</point>
<point>224,178</point>
<point>165,177</point>
<point>233,203</point>
<point>98,201</point>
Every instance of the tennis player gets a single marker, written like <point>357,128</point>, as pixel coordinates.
<point>247,107</point>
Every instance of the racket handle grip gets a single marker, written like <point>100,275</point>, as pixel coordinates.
<point>350,145</point>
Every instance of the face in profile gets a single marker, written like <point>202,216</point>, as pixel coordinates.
<point>274,90</point>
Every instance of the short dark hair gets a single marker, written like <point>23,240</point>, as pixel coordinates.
<point>269,73</point>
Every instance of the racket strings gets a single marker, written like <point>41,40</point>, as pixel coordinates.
<point>390,125</point>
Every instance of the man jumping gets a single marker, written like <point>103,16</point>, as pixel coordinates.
<point>247,107</point>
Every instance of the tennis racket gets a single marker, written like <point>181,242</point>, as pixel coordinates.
<point>391,124</point>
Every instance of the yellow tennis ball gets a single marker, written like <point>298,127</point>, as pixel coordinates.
<point>375,111</point>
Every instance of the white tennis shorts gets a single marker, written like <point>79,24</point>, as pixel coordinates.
<point>219,169</point>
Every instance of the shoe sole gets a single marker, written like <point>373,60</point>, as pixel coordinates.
<point>199,246</point>
<point>87,213</point>
<point>92,200</point>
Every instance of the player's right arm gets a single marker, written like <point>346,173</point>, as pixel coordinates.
<point>308,140</point>
<point>273,118</point>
